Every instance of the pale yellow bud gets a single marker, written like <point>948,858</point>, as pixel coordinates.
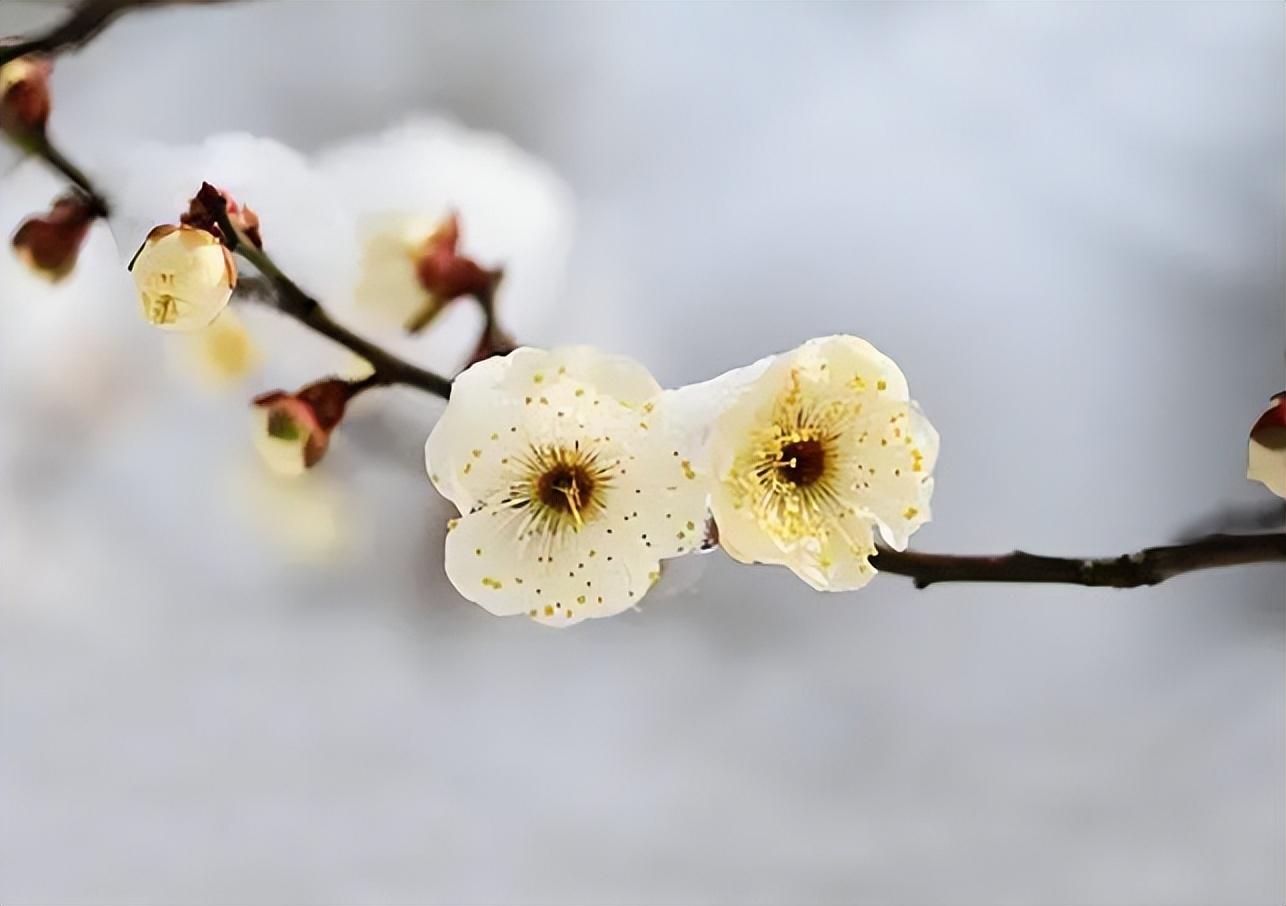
<point>281,441</point>
<point>185,277</point>
<point>16,71</point>
<point>294,429</point>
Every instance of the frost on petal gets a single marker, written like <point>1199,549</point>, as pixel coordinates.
<point>571,493</point>
<point>822,447</point>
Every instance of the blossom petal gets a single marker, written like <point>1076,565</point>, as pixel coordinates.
<point>814,451</point>
<point>469,444</point>
<point>585,575</point>
<point>841,561</point>
<point>574,483</point>
<point>895,450</point>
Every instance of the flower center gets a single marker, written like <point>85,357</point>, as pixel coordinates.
<point>567,488</point>
<point>801,462</point>
<point>560,487</point>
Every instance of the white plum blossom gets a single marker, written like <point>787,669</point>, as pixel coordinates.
<point>818,448</point>
<point>572,480</point>
<point>185,277</point>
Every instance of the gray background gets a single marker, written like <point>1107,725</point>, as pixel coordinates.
<point>1065,222</point>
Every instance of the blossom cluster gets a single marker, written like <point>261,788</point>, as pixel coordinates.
<point>575,474</point>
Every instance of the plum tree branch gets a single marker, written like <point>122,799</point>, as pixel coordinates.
<point>44,149</point>
<point>1146,567</point>
<point>293,301</point>
<point>86,20</point>
<point>1150,566</point>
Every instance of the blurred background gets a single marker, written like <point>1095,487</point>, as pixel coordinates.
<point>1064,221</point>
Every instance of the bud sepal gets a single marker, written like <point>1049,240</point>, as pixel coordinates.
<point>294,428</point>
<point>50,243</point>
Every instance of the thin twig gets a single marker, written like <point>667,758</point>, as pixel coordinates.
<point>87,19</point>
<point>1146,567</point>
<point>293,301</point>
<point>43,148</point>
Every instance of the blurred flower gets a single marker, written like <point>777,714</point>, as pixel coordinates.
<point>821,446</point>
<point>444,274</point>
<point>222,353</point>
<point>403,189</point>
<point>184,276</point>
<point>24,97</point>
<point>50,244</point>
<point>67,357</point>
<point>294,428</point>
<point>325,215</point>
<point>309,518</point>
<point>572,481</point>
<point>1267,455</point>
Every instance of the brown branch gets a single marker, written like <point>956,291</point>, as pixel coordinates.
<point>293,301</point>
<point>87,19</point>
<point>43,148</point>
<point>1146,567</point>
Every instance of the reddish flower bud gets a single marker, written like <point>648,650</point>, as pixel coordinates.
<point>209,202</point>
<point>50,244</point>
<point>295,428</point>
<point>1267,455</point>
<point>447,275</point>
<point>24,97</point>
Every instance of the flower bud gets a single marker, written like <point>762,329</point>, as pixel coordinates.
<point>1267,454</point>
<point>294,428</point>
<point>24,97</point>
<point>446,274</point>
<point>185,277</point>
<point>50,244</point>
<point>209,202</point>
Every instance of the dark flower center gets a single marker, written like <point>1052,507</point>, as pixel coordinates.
<point>802,462</point>
<point>566,488</point>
